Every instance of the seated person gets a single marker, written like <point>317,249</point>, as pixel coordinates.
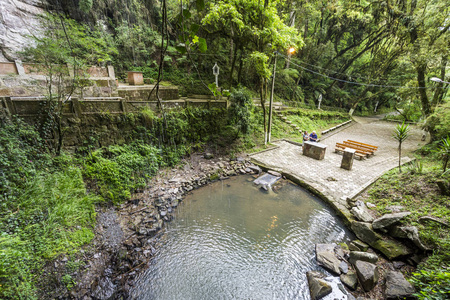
<point>305,136</point>
<point>313,137</point>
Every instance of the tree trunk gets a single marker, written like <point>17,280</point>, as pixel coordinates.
<point>422,89</point>
<point>263,105</point>
<point>233,62</point>
<point>400,157</point>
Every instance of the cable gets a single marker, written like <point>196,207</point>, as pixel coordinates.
<point>358,83</point>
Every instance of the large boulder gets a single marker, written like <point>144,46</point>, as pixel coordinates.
<point>361,212</point>
<point>408,232</point>
<point>392,249</point>
<point>325,257</point>
<point>397,287</point>
<point>350,280</point>
<point>318,287</point>
<point>388,220</point>
<point>364,256</point>
<point>368,274</point>
<point>364,231</point>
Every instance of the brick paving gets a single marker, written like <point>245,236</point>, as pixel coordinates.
<point>325,176</point>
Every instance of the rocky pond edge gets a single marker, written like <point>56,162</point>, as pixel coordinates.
<point>127,236</point>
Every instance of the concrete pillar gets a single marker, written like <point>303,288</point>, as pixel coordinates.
<point>347,159</point>
<point>111,72</point>
<point>19,67</point>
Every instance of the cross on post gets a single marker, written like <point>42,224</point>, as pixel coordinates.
<point>216,73</point>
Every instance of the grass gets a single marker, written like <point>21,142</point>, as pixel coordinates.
<point>54,215</point>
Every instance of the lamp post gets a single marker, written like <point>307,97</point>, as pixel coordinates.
<point>216,73</point>
<point>435,79</point>
<point>271,99</point>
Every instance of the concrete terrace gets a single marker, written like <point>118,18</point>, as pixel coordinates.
<point>325,177</point>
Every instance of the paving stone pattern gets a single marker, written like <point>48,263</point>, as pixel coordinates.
<point>326,176</point>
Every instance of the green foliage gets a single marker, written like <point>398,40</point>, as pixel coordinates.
<point>415,167</point>
<point>22,156</point>
<point>432,285</point>
<point>240,111</point>
<point>119,170</point>
<point>85,5</point>
<point>53,215</point>
<point>438,123</point>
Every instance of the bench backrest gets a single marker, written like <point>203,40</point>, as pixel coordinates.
<point>363,144</point>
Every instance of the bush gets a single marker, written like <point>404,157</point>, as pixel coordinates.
<point>118,170</point>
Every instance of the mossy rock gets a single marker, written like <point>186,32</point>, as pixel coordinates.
<point>392,249</point>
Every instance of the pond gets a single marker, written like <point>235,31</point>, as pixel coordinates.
<point>232,240</point>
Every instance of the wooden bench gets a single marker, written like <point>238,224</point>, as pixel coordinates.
<point>358,154</point>
<point>358,147</point>
<point>375,148</point>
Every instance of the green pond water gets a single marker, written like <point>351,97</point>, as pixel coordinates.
<point>231,240</point>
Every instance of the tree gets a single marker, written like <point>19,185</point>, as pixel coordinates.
<point>401,133</point>
<point>63,53</point>
<point>444,150</point>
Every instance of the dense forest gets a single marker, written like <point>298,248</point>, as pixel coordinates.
<point>359,56</point>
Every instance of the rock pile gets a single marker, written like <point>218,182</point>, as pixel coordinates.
<point>356,266</point>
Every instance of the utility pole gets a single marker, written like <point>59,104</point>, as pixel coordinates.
<point>271,99</point>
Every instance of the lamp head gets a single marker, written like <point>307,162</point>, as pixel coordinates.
<point>291,50</point>
<point>435,79</point>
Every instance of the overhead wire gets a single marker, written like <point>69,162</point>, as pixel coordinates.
<point>356,83</point>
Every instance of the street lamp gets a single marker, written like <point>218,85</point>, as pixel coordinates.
<point>435,79</point>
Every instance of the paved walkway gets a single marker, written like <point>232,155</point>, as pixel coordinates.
<point>326,177</point>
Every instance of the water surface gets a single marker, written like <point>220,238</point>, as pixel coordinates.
<point>230,240</point>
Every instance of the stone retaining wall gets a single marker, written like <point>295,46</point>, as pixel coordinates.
<point>141,93</point>
<point>32,106</point>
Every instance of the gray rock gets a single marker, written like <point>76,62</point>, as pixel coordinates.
<point>325,256</point>
<point>255,169</point>
<point>350,280</point>
<point>343,267</point>
<point>392,249</point>
<point>389,219</point>
<point>208,155</point>
<point>329,261</point>
<point>105,289</point>
<point>364,256</point>
<point>408,232</point>
<point>357,245</point>
<point>368,274</point>
<point>395,208</point>
<point>318,287</point>
<point>398,264</point>
<point>397,287</point>
<point>364,231</point>
<point>362,213</point>
<point>273,173</point>
<point>325,247</point>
